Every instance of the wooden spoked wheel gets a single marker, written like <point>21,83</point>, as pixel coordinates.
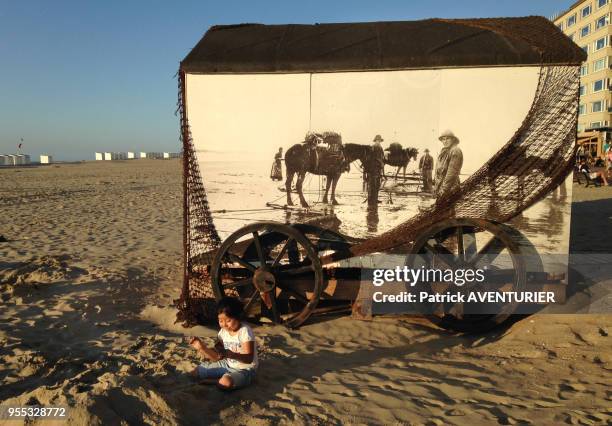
<point>469,244</point>
<point>273,269</point>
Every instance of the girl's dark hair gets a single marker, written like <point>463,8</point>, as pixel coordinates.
<point>231,307</point>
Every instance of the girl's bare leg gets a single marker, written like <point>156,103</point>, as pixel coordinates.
<point>225,382</point>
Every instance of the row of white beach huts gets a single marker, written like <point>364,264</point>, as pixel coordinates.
<point>100,156</point>
<point>22,159</point>
<point>14,159</point>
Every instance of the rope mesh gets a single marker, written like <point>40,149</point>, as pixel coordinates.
<point>200,237</point>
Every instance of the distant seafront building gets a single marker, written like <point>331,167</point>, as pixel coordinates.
<point>108,156</point>
<point>587,23</point>
<point>46,159</point>
<point>14,159</point>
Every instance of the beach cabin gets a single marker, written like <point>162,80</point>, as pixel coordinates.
<point>131,155</point>
<point>46,159</point>
<point>3,160</point>
<point>166,155</point>
<point>493,101</point>
<point>143,155</point>
<point>108,156</point>
<point>99,156</point>
<point>22,159</point>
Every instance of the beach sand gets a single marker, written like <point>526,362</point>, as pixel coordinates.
<point>93,262</point>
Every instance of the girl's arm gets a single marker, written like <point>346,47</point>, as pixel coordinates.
<point>211,354</point>
<point>246,354</point>
<point>207,352</point>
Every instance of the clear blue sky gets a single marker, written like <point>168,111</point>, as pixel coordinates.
<point>84,76</point>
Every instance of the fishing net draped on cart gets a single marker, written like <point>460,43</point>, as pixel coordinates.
<point>529,164</point>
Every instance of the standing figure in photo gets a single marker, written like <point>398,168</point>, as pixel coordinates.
<point>374,169</point>
<point>277,171</point>
<point>426,169</point>
<point>448,165</point>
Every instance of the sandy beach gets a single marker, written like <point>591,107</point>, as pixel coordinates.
<point>93,262</point>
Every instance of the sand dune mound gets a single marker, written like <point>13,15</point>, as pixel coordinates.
<point>43,269</point>
<point>39,270</point>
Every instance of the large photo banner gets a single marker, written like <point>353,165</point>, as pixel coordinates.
<point>251,131</point>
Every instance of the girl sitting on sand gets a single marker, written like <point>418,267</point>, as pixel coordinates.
<point>233,360</point>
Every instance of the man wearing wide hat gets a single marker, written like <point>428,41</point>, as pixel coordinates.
<point>426,168</point>
<point>448,165</point>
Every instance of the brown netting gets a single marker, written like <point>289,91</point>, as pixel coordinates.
<point>399,45</point>
<point>200,237</point>
<point>535,161</point>
<point>550,44</point>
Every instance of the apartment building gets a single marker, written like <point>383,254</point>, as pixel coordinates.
<point>587,23</point>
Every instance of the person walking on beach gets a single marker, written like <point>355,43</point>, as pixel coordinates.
<point>448,165</point>
<point>426,168</point>
<point>233,360</point>
<point>277,171</point>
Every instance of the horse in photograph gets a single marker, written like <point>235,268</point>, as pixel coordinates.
<point>399,157</point>
<point>329,162</point>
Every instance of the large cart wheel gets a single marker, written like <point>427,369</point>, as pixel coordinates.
<point>273,269</point>
<point>470,244</point>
